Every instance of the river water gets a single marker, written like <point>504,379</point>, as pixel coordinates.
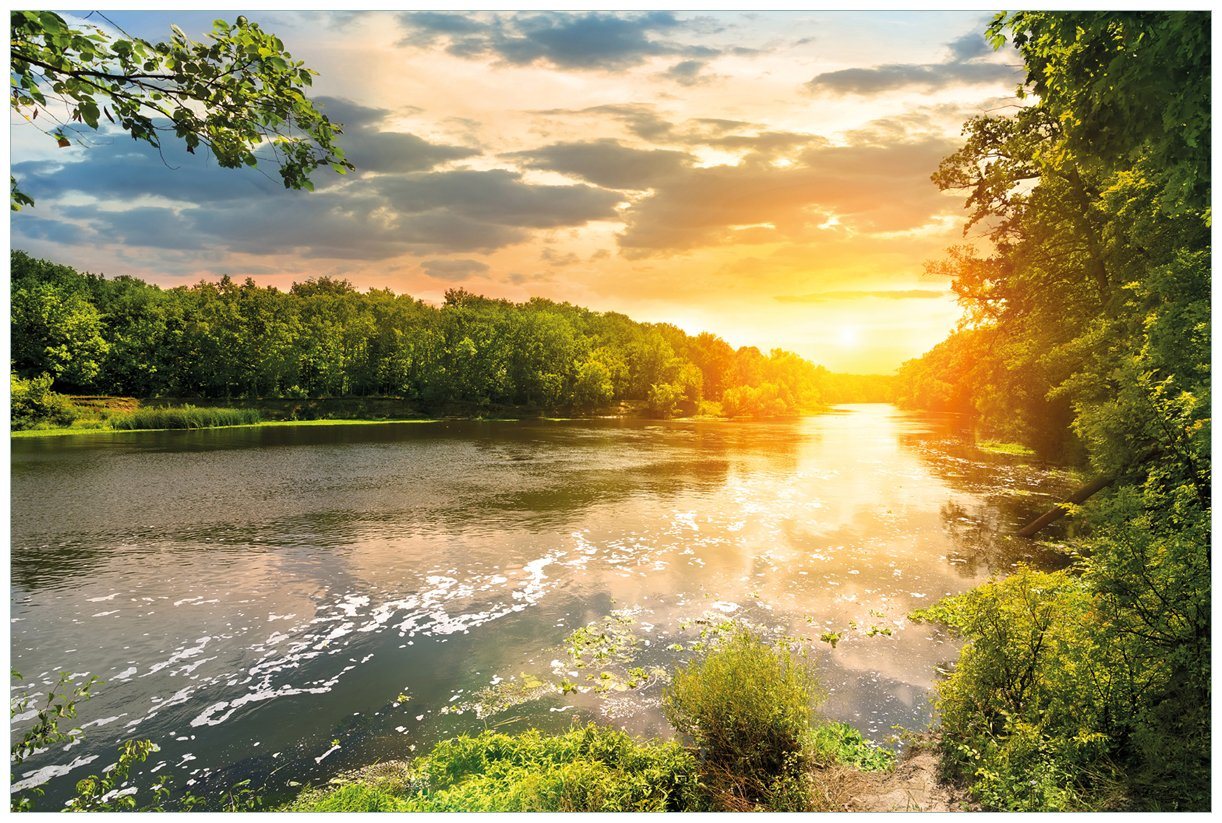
<point>260,601</point>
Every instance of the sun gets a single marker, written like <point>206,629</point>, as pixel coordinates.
<point>848,336</point>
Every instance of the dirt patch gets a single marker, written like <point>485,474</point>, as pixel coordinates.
<point>913,786</point>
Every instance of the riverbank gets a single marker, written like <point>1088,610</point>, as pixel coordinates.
<point>92,415</point>
<point>60,432</point>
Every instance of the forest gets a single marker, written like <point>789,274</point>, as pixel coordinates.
<point>1085,282</point>
<point>1087,335</point>
<point>89,334</point>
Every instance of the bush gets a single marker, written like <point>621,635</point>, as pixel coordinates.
<point>764,401</point>
<point>34,404</point>
<point>1025,715</point>
<point>841,743</point>
<point>184,417</point>
<point>664,400</point>
<point>748,706</point>
<point>591,769</point>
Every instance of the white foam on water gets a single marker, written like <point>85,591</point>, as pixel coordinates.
<point>326,754</point>
<point>105,614</point>
<point>40,776</point>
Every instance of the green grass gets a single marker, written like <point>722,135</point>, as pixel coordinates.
<point>998,447</point>
<point>102,429</point>
<point>588,769</point>
<point>183,417</point>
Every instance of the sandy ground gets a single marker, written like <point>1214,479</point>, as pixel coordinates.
<point>912,787</point>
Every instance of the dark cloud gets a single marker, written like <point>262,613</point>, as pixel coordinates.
<point>687,72</point>
<point>407,208</point>
<point>555,258</point>
<point>453,269</point>
<point>881,294</point>
<point>607,163</point>
<point>869,188</point>
<point>498,197</point>
<point>375,150</point>
<point>963,67</point>
<point>351,114</point>
<point>902,75</point>
<point>969,46</point>
<point>639,118</point>
<point>569,40</point>
<point>766,143</point>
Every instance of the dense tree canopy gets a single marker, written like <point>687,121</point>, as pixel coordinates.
<point>1087,323</point>
<point>240,94</point>
<point>323,338</point>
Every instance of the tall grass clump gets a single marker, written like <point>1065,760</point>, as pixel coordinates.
<point>748,706</point>
<point>184,417</point>
<point>588,769</point>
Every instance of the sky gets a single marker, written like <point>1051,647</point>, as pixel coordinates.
<point>763,176</point>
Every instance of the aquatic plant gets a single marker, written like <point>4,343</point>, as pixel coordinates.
<point>184,417</point>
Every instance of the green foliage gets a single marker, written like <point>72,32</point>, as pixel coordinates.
<point>748,706</point>
<point>323,339</point>
<point>590,769</point>
<point>45,731</point>
<point>1088,322</point>
<point>184,417</point>
<point>34,404</point>
<point>764,401</point>
<point>1067,697</point>
<point>841,743</point>
<point>352,797</point>
<point>234,94</point>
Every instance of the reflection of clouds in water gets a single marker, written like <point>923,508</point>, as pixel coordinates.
<point>505,548</point>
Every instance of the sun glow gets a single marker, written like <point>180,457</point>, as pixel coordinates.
<point>848,336</point>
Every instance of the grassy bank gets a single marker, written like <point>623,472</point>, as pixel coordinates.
<point>745,706</point>
<point>262,424</point>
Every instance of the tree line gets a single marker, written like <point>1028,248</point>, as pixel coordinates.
<point>1087,333</point>
<point>323,338</point>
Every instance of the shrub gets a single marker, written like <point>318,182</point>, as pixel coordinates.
<point>34,404</point>
<point>841,743</point>
<point>590,769</point>
<point>664,399</point>
<point>184,417</point>
<point>748,706</point>
<point>1025,713</point>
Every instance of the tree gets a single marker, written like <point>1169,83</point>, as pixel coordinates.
<point>240,93</point>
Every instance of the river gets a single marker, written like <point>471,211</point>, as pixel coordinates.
<point>260,601</point>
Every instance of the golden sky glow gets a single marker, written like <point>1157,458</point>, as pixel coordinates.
<point>761,176</point>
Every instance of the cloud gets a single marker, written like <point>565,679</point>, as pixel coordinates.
<point>963,68</point>
<point>375,150</point>
<point>453,269</point>
<point>498,197</point>
<point>687,72</point>
<point>969,46</point>
<point>867,188</point>
<point>405,208</point>
<point>567,40</point>
<point>901,75</point>
<point>607,163</point>
<point>881,294</point>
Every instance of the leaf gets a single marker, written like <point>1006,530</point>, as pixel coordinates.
<point>63,142</point>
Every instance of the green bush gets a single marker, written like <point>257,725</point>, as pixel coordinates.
<point>591,769</point>
<point>33,403</point>
<point>841,743</point>
<point>1025,714</point>
<point>748,706</point>
<point>354,797</point>
<point>184,417</point>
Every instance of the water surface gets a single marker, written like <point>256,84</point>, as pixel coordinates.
<point>259,600</point>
